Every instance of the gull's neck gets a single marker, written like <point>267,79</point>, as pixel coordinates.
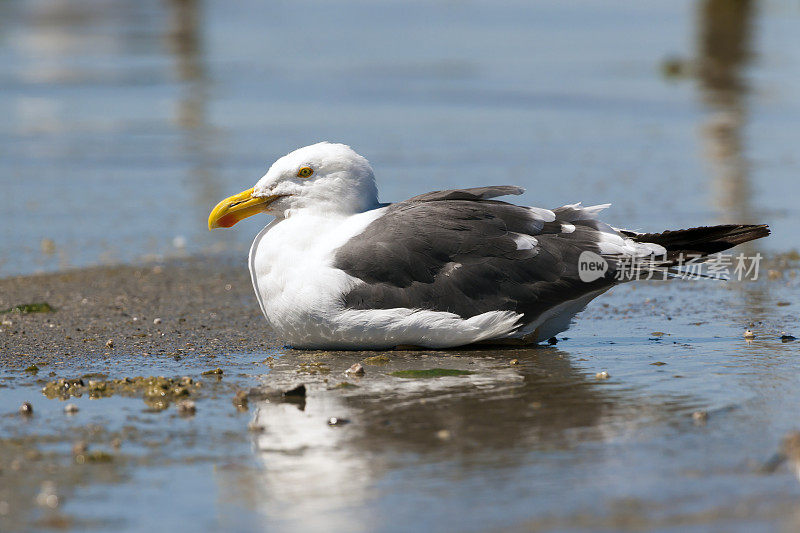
<point>334,208</point>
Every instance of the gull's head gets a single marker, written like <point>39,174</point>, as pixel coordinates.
<point>324,178</point>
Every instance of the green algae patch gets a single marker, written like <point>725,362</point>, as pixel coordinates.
<point>430,373</point>
<point>376,360</point>
<point>39,307</point>
<point>157,392</point>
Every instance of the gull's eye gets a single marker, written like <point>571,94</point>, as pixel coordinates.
<point>305,172</point>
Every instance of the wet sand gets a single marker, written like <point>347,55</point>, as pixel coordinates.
<point>199,306</point>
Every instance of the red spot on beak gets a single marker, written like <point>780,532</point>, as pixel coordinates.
<point>228,220</point>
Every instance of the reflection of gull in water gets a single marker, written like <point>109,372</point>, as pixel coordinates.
<point>317,476</point>
<point>497,422</point>
<point>309,471</point>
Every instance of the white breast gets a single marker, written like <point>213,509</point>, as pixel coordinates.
<point>290,264</point>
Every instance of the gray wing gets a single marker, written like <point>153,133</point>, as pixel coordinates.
<point>460,252</point>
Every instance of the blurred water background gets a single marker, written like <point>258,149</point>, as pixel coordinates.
<point>124,122</point>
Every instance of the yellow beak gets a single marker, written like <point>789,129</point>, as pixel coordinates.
<point>238,207</point>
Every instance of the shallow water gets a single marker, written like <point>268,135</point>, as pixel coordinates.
<point>127,122</point>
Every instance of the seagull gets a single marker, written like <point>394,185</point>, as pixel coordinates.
<point>337,269</point>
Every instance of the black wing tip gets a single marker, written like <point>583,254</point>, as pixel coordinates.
<point>707,239</point>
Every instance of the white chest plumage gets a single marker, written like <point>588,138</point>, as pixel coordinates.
<point>291,267</point>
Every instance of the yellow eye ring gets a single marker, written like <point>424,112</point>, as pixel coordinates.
<point>305,172</point>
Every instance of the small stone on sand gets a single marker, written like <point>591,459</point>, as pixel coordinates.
<point>356,370</point>
<point>47,496</point>
<point>602,375</point>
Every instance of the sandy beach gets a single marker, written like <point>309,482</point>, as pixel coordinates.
<point>182,308</point>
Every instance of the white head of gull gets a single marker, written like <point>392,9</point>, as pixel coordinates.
<point>337,270</point>
<point>324,178</point>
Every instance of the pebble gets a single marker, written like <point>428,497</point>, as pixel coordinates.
<point>700,417</point>
<point>602,375</point>
<point>71,409</point>
<point>514,362</point>
<point>47,496</point>
<point>356,370</point>
<point>186,408</point>
<point>156,321</point>
<point>110,343</point>
<point>443,434</point>
<point>26,409</point>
